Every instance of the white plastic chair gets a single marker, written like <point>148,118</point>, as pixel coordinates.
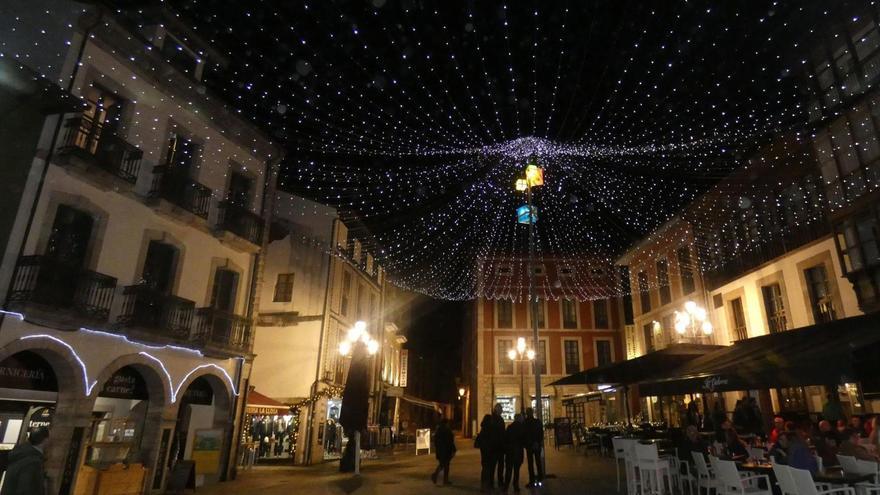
<point>803,480</point>
<point>653,471</point>
<point>705,477</point>
<point>682,476</point>
<point>633,480</point>
<point>732,481</point>
<point>783,477</point>
<point>619,444</point>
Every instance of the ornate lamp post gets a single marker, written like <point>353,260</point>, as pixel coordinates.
<point>693,322</point>
<point>519,355</point>
<point>359,345</point>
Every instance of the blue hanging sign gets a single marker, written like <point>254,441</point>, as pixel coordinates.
<point>522,214</point>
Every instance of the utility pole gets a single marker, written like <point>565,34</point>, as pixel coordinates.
<point>533,299</point>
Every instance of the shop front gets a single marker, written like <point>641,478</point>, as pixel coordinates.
<point>202,428</point>
<point>28,394</point>
<point>268,435</point>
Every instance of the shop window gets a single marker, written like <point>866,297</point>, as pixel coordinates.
<point>283,288</point>
<point>505,365</point>
<point>663,282</point>
<point>603,352</point>
<point>508,407</point>
<point>738,317</point>
<point>774,306</point>
<point>546,411</point>
<point>346,293</point>
<point>685,270</point>
<point>600,310</point>
<point>504,309</point>
<point>569,314</point>
<point>644,295</point>
<point>572,356</point>
<point>118,419</point>
<point>819,289</point>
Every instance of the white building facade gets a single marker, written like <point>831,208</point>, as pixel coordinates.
<point>130,277</point>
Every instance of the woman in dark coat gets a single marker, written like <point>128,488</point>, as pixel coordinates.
<point>445,450</point>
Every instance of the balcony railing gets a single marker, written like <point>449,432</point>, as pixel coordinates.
<point>241,222</point>
<point>43,280</point>
<point>147,308</point>
<point>107,150</point>
<point>223,329</point>
<point>181,190</point>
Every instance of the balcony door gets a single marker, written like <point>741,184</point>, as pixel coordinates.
<point>224,290</point>
<point>65,256</point>
<point>240,190</point>
<point>160,266</point>
<point>181,155</point>
<point>102,116</point>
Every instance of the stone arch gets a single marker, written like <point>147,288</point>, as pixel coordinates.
<point>193,416</point>
<point>157,407</point>
<point>158,382</point>
<point>72,407</point>
<point>69,372</point>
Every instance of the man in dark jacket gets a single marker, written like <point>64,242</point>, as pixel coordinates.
<point>25,474</point>
<point>515,442</point>
<point>498,447</point>
<point>445,450</point>
<point>534,444</point>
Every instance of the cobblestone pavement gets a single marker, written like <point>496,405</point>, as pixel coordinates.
<point>403,473</point>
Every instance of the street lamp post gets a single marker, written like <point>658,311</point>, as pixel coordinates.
<point>520,355</point>
<point>693,322</point>
<point>359,345</point>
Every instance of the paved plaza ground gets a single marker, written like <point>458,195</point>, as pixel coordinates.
<point>404,473</point>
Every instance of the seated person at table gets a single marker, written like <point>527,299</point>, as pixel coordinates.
<point>736,448</point>
<point>721,432</point>
<point>692,442</point>
<point>825,441</point>
<point>855,423</point>
<point>779,450</point>
<point>850,446</point>
<point>799,455</point>
<point>778,425</point>
<point>841,426</point>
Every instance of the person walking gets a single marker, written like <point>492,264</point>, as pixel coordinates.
<point>445,450</point>
<point>26,474</point>
<point>515,443</point>
<point>534,444</point>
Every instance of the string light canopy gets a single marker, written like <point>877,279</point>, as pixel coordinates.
<point>419,117</point>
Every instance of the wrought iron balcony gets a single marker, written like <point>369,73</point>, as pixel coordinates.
<point>147,308</point>
<point>241,222</point>
<point>91,140</point>
<point>46,281</point>
<point>223,329</point>
<point>180,189</point>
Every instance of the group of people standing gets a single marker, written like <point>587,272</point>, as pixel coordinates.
<point>502,449</point>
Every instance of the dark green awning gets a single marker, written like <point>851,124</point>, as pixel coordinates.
<point>824,354</point>
<point>640,368</point>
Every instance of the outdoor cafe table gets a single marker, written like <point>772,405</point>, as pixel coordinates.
<point>832,476</point>
<point>837,477</point>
